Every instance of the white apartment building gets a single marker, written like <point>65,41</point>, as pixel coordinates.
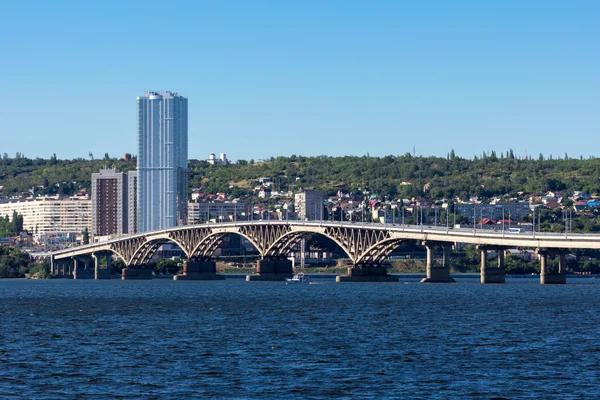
<point>309,205</point>
<point>202,212</point>
<point>52,214</point>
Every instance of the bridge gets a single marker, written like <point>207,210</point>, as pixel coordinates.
<point>367,245</point>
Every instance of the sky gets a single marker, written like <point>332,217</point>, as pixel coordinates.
<point>275,78</point>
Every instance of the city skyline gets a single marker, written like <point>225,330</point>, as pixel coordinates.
<point>280,79</point>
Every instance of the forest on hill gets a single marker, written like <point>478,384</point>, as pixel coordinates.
<point>391,176</point>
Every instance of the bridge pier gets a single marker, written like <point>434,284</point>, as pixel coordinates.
<point>367,273</point>
<point>492,275</point>
<point>199,270</point>
<point>553,278</point>
<point>101,273</point>
<point>80,269</point>
<point>136,272</point>
<point>272,269</point>
<point>438,274</point>
<point>62,268</point>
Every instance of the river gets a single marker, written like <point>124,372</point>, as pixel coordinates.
<point>65,339</point>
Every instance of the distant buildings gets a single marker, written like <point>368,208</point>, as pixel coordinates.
<point>52,214</point>
<point>513,210</point>
<point>113,202</point>
<point>132,202</point>
<point>218,212</point>
<point>217,161</point>
<point>162,160</point>
<point>309,205</point>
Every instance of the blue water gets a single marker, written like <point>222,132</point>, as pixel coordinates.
<point>62,339</point>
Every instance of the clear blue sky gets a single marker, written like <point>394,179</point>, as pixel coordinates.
<point>269,78</point>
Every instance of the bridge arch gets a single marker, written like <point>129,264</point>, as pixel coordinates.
<point>145,252</point>
<point>211,242</point>
<point>284,244</point>
<point>378,252</point>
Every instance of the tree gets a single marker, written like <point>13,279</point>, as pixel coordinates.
<point>86,236</point>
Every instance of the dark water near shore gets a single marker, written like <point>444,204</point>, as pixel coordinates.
<point>64,339</point>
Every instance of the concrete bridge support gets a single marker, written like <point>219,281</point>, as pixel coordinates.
<point>102,273</point>
<point>136,272</point>
<point>367,273</point>
<point>438,274</point>
<point>80,269</point>
<point>63,268</point>
<point>557,277</point>
<point>272,269</point>
<point>199,271</point>
<point>492,275</point>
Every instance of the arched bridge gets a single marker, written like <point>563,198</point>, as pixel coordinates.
<point>364,243</point>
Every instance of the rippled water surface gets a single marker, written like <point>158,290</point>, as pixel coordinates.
<point>236,339</point>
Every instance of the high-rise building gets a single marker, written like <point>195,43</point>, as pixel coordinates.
<point>132,213</point>
<point>109,199</point>
<point>51,214</point>
<point>309,205</point>
<point>113,202</point>
<point>162,160</point>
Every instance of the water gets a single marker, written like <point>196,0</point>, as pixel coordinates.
<point>63,339</point>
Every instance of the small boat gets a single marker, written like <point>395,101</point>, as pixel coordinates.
<point>297,278</point>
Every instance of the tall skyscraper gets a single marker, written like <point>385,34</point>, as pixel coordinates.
<point>162,160</point>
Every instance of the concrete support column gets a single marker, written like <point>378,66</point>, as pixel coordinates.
<point>96,265</point>
<point>543,262</point>
<point>51,264</point>
<point>483,255</point>
<point>492,275</point>
<point>562,263</point>
<point>136,272</point>
<point>546,276</point>
<point>272,269</point>
<point>80,270</point>
<point>367,273</point>
<point>434,273</point>
<point>100,273</point>
<point>429,248</point>
<point>446,257</point>
<point>199,271</point>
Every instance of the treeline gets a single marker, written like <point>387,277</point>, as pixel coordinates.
<point>391,176</point>
<point>407,176</point>
<point>11,226</point>
<point>17,264</point>
<point>52,176</point>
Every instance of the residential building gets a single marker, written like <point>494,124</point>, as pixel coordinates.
<point>217,211</point>
<point>52,214</point>
<point>132,202</point>
<point>162,160</point>
<point>513,210</point>
<point>109,202</point>
<point>309,205</point>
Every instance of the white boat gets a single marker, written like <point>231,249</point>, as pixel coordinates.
<point>297,278</point>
